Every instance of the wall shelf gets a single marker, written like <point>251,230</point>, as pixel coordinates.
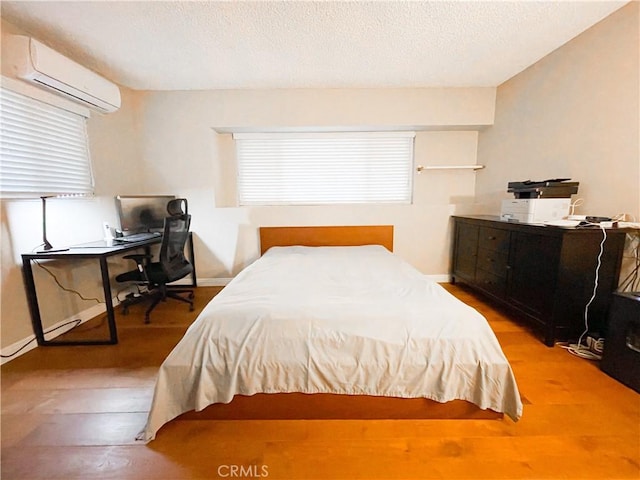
<point>421,168</point>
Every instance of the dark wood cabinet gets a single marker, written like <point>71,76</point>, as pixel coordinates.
<point>534,274</point>
<point>545,274</point>
<point>466,244</point>
<point>621,357</point>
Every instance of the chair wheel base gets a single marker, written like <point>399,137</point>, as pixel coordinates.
<point>157,296</point>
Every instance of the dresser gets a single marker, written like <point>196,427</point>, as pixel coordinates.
<point>545,275</point>
<point>621,357</point>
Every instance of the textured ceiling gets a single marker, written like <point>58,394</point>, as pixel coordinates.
<point>185,45</point>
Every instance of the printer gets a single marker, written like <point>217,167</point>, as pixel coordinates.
<point>538,201</point>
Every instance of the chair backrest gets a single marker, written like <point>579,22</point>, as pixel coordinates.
<point>172,258</point>
<point>178,206</point>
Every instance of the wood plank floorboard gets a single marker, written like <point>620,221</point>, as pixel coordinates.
<point>73,413</point>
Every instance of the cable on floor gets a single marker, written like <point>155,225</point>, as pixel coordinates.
<point>593,351</point>
<point>77,322</point>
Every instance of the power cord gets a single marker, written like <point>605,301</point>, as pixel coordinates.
<point>55,279</point>
<point>573,205</point>
<point>76,322</point>
<point>141,291</point>
<point>593,351</point>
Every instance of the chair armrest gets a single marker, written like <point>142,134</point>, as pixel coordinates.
<point>138,257</point>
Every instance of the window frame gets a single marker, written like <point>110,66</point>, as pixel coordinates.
<point>302,168</point>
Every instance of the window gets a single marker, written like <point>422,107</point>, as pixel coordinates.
<point>43,149</point>
<point>324,168</point>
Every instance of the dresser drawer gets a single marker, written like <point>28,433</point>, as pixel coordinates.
<point>494,239</point>
<point>543,273</point>
<point>491,283</point>
<point>493,261</point>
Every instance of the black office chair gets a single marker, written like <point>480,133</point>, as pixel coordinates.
<point>172,264</point>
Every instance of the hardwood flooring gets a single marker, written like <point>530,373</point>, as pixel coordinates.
<point>73,413</point>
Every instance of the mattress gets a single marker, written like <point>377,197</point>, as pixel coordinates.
<point>342,320</point>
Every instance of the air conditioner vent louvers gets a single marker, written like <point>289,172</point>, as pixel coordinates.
<point>38,64</point>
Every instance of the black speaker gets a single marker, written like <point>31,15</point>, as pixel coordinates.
<point>621,355</point>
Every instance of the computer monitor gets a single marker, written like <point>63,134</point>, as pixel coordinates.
<point>142,213</point>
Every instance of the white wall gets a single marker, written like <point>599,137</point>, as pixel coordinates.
<point>165,142</point>
<point>573,114</point>
<point>69,222</point>
<point>182,153</point>
<point>113,146</point>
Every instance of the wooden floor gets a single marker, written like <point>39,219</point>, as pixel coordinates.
<point>73,413</point>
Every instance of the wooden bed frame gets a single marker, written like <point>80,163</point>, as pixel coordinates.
<point>324,406</point>
<point>330,236</point>
<point>333,406</point>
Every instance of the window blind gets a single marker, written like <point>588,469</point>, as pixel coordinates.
<point>324,168</point>
<point>43,149</point>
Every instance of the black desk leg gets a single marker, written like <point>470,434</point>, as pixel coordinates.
<point>192,259</point>
<point>36,319</point>
<point>32,300</point>
<point>106,284</point>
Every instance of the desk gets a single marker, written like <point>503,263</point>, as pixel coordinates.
<point>94,250</point>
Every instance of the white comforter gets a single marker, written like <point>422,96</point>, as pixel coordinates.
<point>349,320</point>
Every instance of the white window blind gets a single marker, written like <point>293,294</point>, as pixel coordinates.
<point>324,168</point>
<point>43,149</point>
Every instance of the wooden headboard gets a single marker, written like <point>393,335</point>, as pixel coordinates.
<point>332,236</point>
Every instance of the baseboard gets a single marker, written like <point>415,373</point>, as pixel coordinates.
<point>221,282</point>
<point>16,349</point>
<point>213,282</point>
<point>27,344</point>
<point>440,278</point>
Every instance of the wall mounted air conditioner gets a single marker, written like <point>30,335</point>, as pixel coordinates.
<point>43,66</point>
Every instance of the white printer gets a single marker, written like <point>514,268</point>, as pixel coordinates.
<point>538,202</point>
<point>535,210</point>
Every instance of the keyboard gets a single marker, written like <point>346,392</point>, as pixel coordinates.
<point>138,237</point>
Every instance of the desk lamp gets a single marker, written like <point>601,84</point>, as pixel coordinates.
<point>47,247</point>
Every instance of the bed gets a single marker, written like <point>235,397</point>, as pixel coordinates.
<point>328,323</point>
